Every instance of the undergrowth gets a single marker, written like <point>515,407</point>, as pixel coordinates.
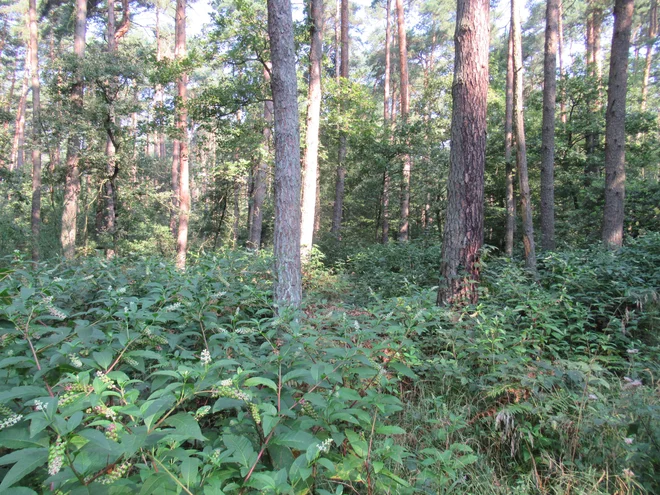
<point>127,376</point>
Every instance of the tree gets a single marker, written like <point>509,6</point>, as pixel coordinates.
<point>110,149</point>
<point>548,131</point>
<point>288,276</point>
<point>404,92</point>
<point>521,146</point>
<point>615,119</point>
<point>508,141</point>
<point>36,150</point>
<point>311,156</point>
<point>387,121</point>
<point>72,183</point>
<point>463,233</point>
<point>182,131</point>
<point>650,43</point>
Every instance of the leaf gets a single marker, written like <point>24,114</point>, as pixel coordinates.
<point>103,358</point>
<point>390,430</point>
<point>186,426</point>
<point>359,446</point>
<point>26,461</point>
<point>257,380</point>
<point>155,484</point>
<point>189,469</point>
<point>243,453</point>
<point>19,437</point>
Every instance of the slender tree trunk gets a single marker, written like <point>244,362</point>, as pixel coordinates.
<point>18,148</point>
<point>182,130</point>
<point>174,211</point>
<point>343,145</point>
<point>337,39</point>
<point>386,121</point>
<point>508,141</point>
<point>464,227</point>
<point>311,155</point>
<point>288,276</point>
<point>593,27</point>
<point>560,56</point>
<point>110,150</point>
<point>261,175</point>
<point>159,96</point>
<point>72,182</point>
<point>521,146</point>
<point>615,137</point>
<point>35,220</point>
<point>652,34</point>
<point>404,93</point>
<point>236,227</point>
<point>548,129</point>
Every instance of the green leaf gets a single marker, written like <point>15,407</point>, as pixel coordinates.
<point>103,358</point>
<point>243,452</point>
<point>257,380</point>
<point>156,483</point>
<point>186,426</point>
<point>390,430</point>
<point>189,469</point>
<point>26,461</point>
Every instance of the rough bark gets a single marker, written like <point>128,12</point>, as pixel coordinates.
<point>18,147</point>
<point>615,137</point>
<point>521,145</point>
<point>548,127</point>
<point>508,141</point>
<point>463,233</point>
<point>261,175</point>
<point>110,150</point>
<point>343,140</point>
<point>35,217</point>
<point>182,131</point>
<point>386,121</point>
<point>159,96</point>
<point>288,285</point>
<point>404,93</point>
<point>560,57</point>
<point>312,135</point>
<point>72,181</point>
<point>593,30</point>
<point>650,43</point>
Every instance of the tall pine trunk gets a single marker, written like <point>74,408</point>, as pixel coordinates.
<point>464,227</point>
<point>650,43</point>
<point>404,93</point>
<point>508,142</point>
<point>72,181</point>
<point>521,146</point>
<point>387,121</point>
<point>615,119</point>
<point>548,127</point>
<point>110,150</point>
<point>182,130</point>
<point>311,157</point>
<point>35,217</point>
<point>18,147</point>
<point>288,276</point>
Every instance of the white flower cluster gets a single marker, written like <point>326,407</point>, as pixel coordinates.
<point>218,295</point>
<point>10,421</point>
<point>38,405</point>
<point>202,411</point>
<point>121,290</point>
<point>633,351</point>
<point>324,446</point>
<point>630,383</point>
<point>228,382</point>
<point>245,331</point>
<point>172,307</point>
<point>205,358</point>
<point>75,361</point>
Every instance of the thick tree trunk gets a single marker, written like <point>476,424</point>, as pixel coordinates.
<point>615,137</point>
<point>463,234</point>
<point>261,175</point>
<point>386,121</point>
<point>521,146</point>
<point>311,156</point>
<point>652,34</point>
<point>404,93</point>
<point>548,129</point>
<point>343,145</point>
<point>182,130</point>
<point>72,182</point>
<point>288,283</point>
<point>508,142</point>
<point>35,219</point>
<point>110,189</point>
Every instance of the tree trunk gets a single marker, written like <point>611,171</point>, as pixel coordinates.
<point>261,175</point>
<point>341,168</point>
<point>312,135</point>
<point>404,93</point>
<point>548,129</point>
<point>72,182</point>
<point>35,220</point>
<point>650,43</point>
<point>463,234</point>
<point>615,137</point>
<point>593,30</point>
<point>236,227</point>
<point>159,96</point>
<point>110,189</point>
<point>521,146</point>
<point>508,141</point>
<point>560,57</point>
<point>288,283</point>
<point>18,148</point>
<point>182,130</point>
<point>386,122</point>
<point>174,208</point>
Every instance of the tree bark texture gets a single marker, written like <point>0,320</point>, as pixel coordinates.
<point>508,142</point>
<point>386,121</point>
<point>18,147</point>
<point>72,181</point>
<point>35,217</point>
<point>521,145</point>
<point>311,157</point>
<point>340,183</point>
<point>110,213</point>
<point>288,283</point>
<point>404,93</point>
<point>548,127</point>
<point>182,131</point>
<point>463,233</point>
<point>615,136</point>
<point>261,174</point>
<point>650,43</point>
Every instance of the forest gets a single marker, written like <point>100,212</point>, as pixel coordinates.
<point>329,247</point>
